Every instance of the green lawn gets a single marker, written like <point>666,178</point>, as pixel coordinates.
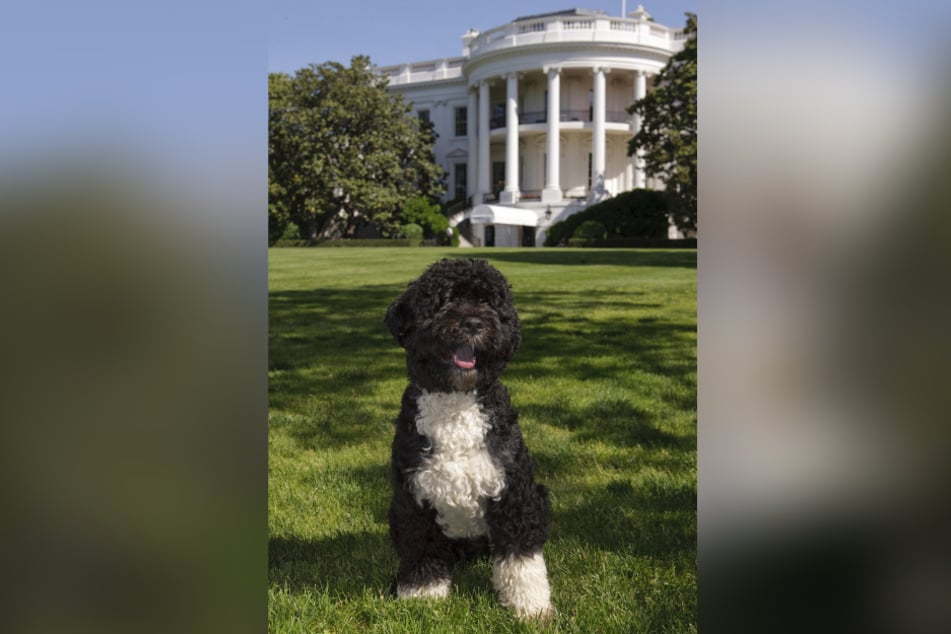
<point>605,384</point>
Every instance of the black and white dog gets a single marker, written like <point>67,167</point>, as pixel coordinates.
<point>463,482</point>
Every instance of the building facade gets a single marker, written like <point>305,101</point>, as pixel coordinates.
<point>531,120</point>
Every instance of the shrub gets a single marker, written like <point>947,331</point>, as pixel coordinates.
<point>365,242</point>
<point>560,232</point>
<point>590,229</point>
<point>290,237</point>
<point>641,213</point>
<point>291,232</point>
<point>427,215</point>
<point>413,232</point>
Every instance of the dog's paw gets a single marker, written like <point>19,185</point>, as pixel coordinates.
<point>436,590</point>
<point>522,584</point>
<point>540,616</point>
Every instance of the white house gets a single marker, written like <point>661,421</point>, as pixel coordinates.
<point>516,166</point>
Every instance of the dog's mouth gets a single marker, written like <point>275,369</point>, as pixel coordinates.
<point>464,358</point>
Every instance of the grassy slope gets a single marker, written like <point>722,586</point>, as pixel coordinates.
<point>605,384</point>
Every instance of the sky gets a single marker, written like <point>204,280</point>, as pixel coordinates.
<point>301,32</point>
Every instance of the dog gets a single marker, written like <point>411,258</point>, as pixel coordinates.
<point>463,481</point>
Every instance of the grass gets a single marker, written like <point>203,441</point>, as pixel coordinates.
<point>605,384</point>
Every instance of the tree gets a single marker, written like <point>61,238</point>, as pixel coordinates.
<point>668,130</point>
<point>343,152</point>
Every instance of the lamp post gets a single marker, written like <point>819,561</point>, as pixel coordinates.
<point>548,214</point>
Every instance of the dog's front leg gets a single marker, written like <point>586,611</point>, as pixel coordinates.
<point>519,527</point>
<point>425,576</point>
<point>425,555</point>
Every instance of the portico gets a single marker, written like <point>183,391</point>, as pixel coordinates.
<point>534,114</point>
<point>514,136</point>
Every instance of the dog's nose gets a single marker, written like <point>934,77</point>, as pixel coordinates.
<point>472,324</point>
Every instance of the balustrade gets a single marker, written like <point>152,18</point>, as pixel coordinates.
<point>565,28</point>
<point>540,116</point>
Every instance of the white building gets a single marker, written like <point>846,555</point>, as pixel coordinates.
<point>517,169</point>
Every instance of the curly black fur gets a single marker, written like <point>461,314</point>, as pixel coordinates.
<point>459,327</point>
<point>456,304</point>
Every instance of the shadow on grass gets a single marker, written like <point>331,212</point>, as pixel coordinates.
<point>319,327</point>
<point>328,354</point>
<point>330,342</point>
<point>561,337</point>
<point>653,519</point>
<point>345,565</point>
<point>613,420</point>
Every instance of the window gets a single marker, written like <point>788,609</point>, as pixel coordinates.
<point>498,177</point>
<point>423,115</point>
<point>498,116</point>
<point>462,128</point>
<point>459,179</point>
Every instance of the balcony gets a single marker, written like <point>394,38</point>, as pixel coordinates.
<point>526,118</point>
<point>576,27</point>
<point>436,70</point>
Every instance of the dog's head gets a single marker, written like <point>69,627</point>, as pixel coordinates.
<point>458,325</point>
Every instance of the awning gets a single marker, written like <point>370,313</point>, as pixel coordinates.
<point>499,215</point>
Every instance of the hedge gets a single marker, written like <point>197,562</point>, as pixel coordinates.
<point>635,243</point>
<point>355,242</point>
<point>641,214</point>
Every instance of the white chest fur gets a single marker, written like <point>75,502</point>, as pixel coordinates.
<point>458,475</point>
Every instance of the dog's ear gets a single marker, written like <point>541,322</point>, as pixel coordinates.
<point>399,318</point>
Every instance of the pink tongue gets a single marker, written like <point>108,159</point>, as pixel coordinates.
<point>464,357</point>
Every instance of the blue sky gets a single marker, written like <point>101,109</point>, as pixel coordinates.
<point>301,32</point>
<point>184,81</point>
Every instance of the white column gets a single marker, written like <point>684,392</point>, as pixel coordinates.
<point>510,193</point>
<point>640,90</point>
<point>472,184</point>
<point>552,191</point>
<point>598,135</point>
<point>484,164</point>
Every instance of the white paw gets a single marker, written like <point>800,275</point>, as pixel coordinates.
<point>436,590</point>
<point>522,584</point>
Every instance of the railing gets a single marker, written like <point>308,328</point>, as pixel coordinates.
<point>541,30</point>
<point>574,28</point>
<point>540,116</point>
<point>434,70</point>
<point>577,25</point>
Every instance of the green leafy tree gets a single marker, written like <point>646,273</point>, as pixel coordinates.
<point>343,152</point>
<point>284,195</point>
<point>668,131</point>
